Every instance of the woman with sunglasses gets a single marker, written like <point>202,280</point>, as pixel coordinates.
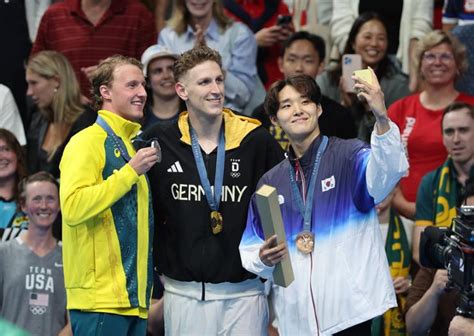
<point>367,38</point>
<point>440,59</point>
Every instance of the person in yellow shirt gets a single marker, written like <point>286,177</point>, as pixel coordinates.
<point>107,215</point>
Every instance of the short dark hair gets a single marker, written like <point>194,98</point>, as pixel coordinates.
<point>302,83</point>
<point>41,176</point>
<point>317,42</point>
<point>456,106</point>
<point>104,75</point>
<point>195,56</point>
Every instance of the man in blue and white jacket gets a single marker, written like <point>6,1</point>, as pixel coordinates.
<point>327,190</point>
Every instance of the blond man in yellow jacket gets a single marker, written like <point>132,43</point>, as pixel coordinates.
<point>107,216</point>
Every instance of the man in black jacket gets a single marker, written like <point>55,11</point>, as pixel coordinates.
<point>303,53</point>
<point>211,162</point>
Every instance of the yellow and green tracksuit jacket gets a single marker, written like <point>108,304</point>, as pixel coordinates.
<point>107,223</point>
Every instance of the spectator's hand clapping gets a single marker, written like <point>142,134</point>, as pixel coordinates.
<point>200,35</point>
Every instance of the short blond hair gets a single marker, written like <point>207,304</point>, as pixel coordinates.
<point>104,75</point>
<point>435,38</point>
<point>190,58</point>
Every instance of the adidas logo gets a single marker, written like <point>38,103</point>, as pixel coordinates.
<point>175,168</point>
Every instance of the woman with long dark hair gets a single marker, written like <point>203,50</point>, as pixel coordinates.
<point>368,38</point>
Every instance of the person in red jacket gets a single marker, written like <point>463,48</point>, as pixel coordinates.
<point>100,29</point>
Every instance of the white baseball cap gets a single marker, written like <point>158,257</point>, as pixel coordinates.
<point>153,52</point>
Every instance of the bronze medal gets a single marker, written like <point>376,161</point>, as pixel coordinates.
<point>216,222</point>
<point>305,242</point>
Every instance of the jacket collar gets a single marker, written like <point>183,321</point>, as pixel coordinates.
<point>308,157</point>
<point>122,127</point>
<point>236,127</point>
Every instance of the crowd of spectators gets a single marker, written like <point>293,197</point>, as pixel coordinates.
<point>421,51</point>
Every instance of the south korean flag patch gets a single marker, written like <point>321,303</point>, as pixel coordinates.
<point>328,184</point>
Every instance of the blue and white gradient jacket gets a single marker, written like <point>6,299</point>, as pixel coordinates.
<point>346,279</point>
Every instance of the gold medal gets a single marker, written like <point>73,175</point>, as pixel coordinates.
<point>305,242</point>
<point>216,222</point>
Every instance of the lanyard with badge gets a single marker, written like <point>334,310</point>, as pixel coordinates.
<point>213,199</point>
<point>102,123</point>
<point>305,239</point>
<point>154,142</point>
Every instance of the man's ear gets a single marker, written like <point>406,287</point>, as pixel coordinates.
<point>105,92</point>
<point>22,205</point>
<point>181,91</point>
<point>280,64</point>
<point>274,120</point>
<point>321,67</point>
<point>320,109</point>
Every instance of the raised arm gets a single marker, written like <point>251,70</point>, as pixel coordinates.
<point>387,162</point>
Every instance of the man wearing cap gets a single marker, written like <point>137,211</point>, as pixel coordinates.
<point>163,104</point>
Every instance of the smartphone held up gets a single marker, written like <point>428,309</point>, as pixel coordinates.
<point>350,63</point>
<point>284,20</point>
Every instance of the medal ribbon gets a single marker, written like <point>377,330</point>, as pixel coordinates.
<point>307,207</point>
<point>102,123</point>
<point>212,200</point>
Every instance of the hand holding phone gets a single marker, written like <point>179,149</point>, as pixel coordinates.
<point>284,20</point>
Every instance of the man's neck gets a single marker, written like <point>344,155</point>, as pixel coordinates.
<point>207,130</point>
<point>6,188</point>
<point>95,9</point>
<point>301,146</point>
<point>165,108</point>
<point>463,170</point>
<point>39,240</point>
